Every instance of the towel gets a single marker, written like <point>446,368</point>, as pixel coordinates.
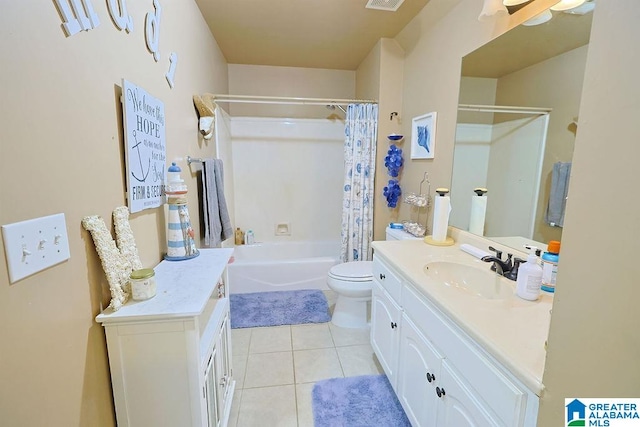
<point>217,224</point>
<point>558,195</point>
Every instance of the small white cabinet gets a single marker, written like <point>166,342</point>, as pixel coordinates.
<point>170,356</point>
<point>441,376</point>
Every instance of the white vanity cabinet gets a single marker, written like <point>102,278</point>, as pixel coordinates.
<point>385,337</point>
<point>442,376</point>
<point>170,356</point>
<point>385,314</point>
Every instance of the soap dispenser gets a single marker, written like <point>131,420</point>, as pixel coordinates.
<point>529,279</point>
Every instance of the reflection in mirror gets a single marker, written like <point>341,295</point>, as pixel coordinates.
<point>505,157</point>
<point>512,150</point>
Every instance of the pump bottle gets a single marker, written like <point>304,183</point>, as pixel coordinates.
<point>550,266</point>
<point>529,279</point>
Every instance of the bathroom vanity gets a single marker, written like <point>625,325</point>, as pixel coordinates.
<point>170,356</point>
<point>456,354</point>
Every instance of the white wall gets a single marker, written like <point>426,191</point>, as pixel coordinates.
<point>288,171</point>
<point>471,159</point>
<point>513,176</point>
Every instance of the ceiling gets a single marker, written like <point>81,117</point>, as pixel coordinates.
<point>339,34</point>
<point>332,34</point>
<point>524,46</point>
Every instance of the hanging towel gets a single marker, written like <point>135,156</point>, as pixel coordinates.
<point>217,224</point>
<point>558,195</point>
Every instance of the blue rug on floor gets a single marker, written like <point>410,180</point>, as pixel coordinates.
<point>363,401</point>
<point>278,308</point>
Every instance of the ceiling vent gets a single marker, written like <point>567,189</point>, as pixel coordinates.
<point>388,5</point>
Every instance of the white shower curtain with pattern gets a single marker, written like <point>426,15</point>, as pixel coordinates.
<point>361,132</point>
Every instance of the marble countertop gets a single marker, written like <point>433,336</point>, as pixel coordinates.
<point>512,330</point>
<point>182,289</point>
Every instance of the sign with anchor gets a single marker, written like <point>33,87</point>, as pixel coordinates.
<point>144,136</point>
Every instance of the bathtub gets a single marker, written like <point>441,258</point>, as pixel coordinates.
<point>282,266</point>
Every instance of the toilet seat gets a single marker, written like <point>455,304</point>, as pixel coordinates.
<point>353,271</point>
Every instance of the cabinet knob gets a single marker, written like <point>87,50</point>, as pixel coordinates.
<point>394,325</point>
<point>440,392</point>
<point>430,377</point>
<point>382,276</point>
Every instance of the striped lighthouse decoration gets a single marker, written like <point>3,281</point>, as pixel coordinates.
<point>180,235</point>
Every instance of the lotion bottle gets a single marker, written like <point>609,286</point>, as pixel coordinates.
<point>529,279</point>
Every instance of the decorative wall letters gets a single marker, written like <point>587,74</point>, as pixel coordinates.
<point>173,61</point>
<point>119,14</point>
<point>79,15</point>
<point>82,18</point>
<point>152,30</point>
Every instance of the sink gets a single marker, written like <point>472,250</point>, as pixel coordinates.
<point>471,280</point>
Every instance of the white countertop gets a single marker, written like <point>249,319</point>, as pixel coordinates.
<point>182,289</point>
<point>511,330</point>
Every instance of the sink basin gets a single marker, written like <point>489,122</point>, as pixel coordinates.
<point>468,279</point>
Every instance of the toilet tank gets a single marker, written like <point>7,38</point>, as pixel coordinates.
<point>399,234</point>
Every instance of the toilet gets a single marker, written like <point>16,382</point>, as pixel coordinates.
<point>352,282</point>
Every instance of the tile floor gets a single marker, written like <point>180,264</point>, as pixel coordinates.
<point>275,369</point>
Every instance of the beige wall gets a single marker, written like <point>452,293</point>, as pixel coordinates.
<point>593,343</point>
<point>62,151</point>
<point>264,80</point>
<point>477,91</point>
<point>379,77</point>
<point>555,83</point>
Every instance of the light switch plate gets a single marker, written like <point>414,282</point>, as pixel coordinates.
<point>34,245</point>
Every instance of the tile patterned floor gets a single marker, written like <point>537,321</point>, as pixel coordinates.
<point>275,369</point>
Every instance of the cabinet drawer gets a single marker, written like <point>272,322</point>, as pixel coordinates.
<point>387,279</point>
<point>481,374</point>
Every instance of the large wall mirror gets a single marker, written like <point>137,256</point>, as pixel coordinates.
<point>517,121</point>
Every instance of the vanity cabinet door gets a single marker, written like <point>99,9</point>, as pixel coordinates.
<point>385,331</point>
<point>457,405</point>
<point>211,395</point>
<point>224,364</point>
<point>418,374</point>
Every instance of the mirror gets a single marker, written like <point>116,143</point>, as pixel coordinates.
<point>517,119</point>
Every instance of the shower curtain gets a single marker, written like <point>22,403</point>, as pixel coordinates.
<point>361,131</point>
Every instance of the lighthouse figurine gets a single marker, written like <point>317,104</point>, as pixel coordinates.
<point>180,234</point>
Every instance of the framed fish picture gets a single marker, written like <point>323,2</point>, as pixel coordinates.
<point>423,136</point>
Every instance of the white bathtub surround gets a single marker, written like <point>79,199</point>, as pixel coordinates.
<point>288,171</point>
<point>282,266</point>
<point>359,171</point>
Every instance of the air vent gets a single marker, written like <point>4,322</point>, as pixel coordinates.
<point>388,5</point>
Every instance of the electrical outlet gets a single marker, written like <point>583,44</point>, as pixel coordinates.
<point>34,245</point>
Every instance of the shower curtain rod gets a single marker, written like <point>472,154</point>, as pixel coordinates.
<point>288,100</point>
<point>503,109</point>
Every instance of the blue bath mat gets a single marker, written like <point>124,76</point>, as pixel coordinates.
<point>278,308</point>
<point>362,401</point>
